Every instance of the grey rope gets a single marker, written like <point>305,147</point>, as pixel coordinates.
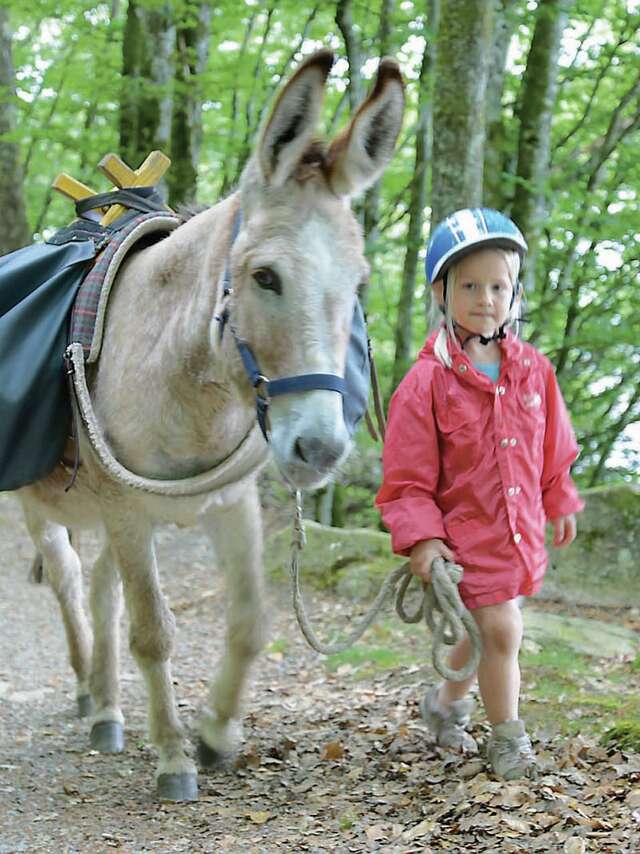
<point>441,608</point>
<point>446,616</point>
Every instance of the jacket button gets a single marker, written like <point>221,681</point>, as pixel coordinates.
<point>462,368</point>
<point>513,442</point>
<point>500,390</point>
<point>504,443</point>
<point>511,490</point>
<point>517,538</point>
<point>526,362</point>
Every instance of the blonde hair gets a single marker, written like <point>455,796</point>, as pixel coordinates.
<point>447,329</point>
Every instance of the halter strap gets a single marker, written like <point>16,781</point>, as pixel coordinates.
<point>266,388</point>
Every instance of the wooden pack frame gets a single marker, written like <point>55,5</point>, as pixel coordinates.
<point>147,175</point>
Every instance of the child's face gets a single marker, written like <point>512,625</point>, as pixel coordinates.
<point>482,294</point>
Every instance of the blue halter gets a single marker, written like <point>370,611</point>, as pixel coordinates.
<point>266,388</point>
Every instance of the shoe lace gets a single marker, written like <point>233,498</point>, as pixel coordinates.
<point>516,749</point>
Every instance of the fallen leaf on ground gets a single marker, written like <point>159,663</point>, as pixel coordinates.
<point>259,817</point>
<point>332,750</point>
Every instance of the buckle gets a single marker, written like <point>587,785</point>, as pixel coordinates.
<point>261,385</point>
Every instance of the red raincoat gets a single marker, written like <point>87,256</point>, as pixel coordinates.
<point>480,465</point>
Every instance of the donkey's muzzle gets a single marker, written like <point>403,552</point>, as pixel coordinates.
<point>320,454</point>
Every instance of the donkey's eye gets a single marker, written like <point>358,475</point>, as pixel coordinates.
<point>268,280</point>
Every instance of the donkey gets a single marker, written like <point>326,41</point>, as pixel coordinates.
<point>172,400</point>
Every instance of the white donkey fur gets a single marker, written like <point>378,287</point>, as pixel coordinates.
<point>173,400</point>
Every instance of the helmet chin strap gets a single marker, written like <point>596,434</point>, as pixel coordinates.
<point>498,335</point>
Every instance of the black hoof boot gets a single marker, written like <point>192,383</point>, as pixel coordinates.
<point>107,737</point>
<point>178,787</point>
<point>85,706</point>
<point>209,757</point>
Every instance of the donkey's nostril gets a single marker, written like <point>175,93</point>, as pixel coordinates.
<point>299,450</point>
<point>318,453</point>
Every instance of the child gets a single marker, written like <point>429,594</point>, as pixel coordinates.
<point>476,460</point>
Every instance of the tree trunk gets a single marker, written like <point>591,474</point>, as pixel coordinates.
<point>232,165</point>
<point>417,194</point>
<point>353,50</point>
<point>14,229</point>
<point>192,56</point>
<point>355,89</point>
<point>147,75</point>
<point>537,99</point>
<point>495,144</point>
<point>372,196</point>
<point>462,62</point>
<point>329,505</point>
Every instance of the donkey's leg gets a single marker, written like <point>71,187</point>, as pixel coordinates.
<point>236,532</point>
<point>64,573</point>
<point>152,629</point>
<point>107,732</point>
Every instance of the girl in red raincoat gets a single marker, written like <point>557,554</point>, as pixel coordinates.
<point>476,460</point>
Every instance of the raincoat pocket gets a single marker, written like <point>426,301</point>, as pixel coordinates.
<point>454,417</point>
<point>531,404</point>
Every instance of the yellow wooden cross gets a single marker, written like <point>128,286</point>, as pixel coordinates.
<point>148,175</point>
<point>73,189</point>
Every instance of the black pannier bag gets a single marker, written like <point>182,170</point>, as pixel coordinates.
<point>38,285</point>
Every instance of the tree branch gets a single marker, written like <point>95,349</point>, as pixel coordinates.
<point>344,20</point>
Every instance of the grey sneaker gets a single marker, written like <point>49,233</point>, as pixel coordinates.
<point>449,723</point>
<point>509,752</point>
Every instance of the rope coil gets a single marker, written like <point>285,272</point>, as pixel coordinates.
<point>441,607</point>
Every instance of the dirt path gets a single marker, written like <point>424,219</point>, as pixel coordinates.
<point>328,764</point>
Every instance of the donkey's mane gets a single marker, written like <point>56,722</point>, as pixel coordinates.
<point>188,210</point>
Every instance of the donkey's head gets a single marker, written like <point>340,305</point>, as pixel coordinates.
<point>298,259</point>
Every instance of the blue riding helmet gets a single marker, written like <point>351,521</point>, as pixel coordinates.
<point>466,230</point>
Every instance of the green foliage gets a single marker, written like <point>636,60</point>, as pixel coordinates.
<point>583,312</point>
<point>624,735</point>
<point>557,658</point>
<point>278,646</point>
<point>365,662</point>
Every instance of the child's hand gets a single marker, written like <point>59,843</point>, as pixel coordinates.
<point>424,553</point>
<point>564,530</point>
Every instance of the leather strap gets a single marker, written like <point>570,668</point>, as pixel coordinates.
<point>143,199</point>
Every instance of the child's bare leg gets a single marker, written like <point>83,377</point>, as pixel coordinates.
<point>452,691</point>
<point>499,673</point>
<point>509,751</point>
<point>444,709</point>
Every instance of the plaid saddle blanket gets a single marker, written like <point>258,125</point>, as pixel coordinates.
<point>53,294</point>
<point>89,308</point>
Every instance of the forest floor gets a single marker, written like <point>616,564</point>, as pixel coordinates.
<point>335,758</point>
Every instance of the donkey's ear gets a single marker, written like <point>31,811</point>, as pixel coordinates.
<point>292,123</point>
<point>358,156</point>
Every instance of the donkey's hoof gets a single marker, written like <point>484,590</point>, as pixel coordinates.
<point>85,706</point>
<point>107,737</point>
<point>209,757</point>
<point>178,787</point>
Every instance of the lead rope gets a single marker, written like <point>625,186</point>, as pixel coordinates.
<point>298,541</point>
<point>441,607</point>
